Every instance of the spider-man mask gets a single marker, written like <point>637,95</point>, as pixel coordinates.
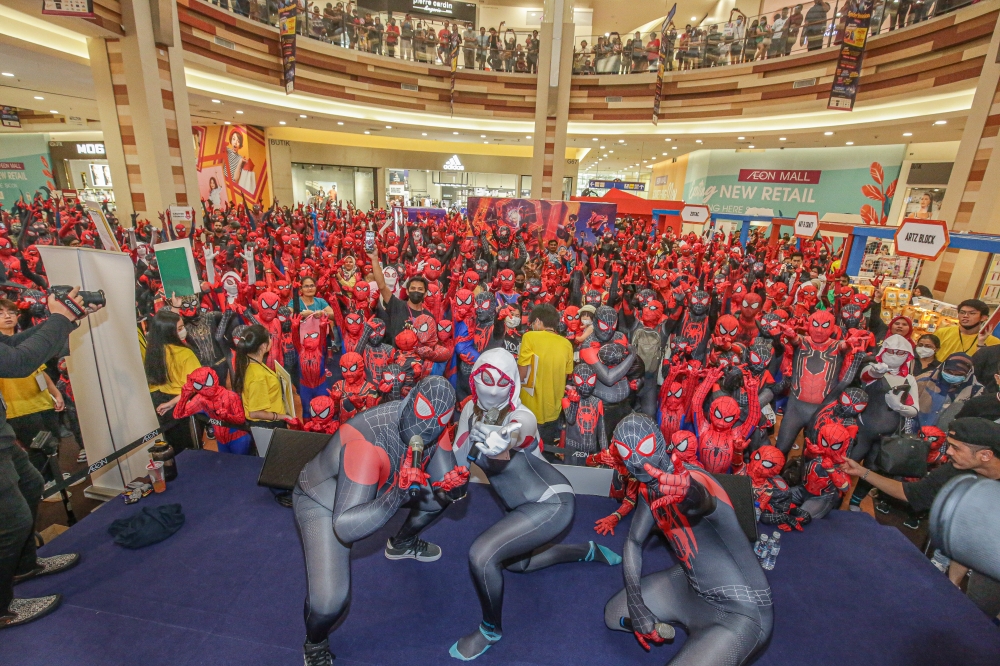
<point>593,297</point>
<point>852,402</point>
<point>377,331</point>
<point>750,306</point>
<point>311,341</point>
<point>445,330</point>
<point>777,292</point>
<point>354,323</point>
<point>821,326</point>
<point>470,279</point>
<point>674,398</point>
<point>464,304</point>
<point>571,317</point>
<point>933,436</point>
<point>770,326</point>
<point>506,278</point>
<point>860,300</point>
<point>598,278</point>
<point>482,268</point>
<point>206,382</point>
<point>684,445</point>
<point>584,379</point>
<point>406,340</point>
<point>321,408</point>
<point>492,387</point>
<point>723,413</point>
<point>727,328</point>
<point>808,295</point>
<point>612,353</point>
<point>433,269</point>
<point>660,279</point>
<point>486,308</point>
<point>682,345</point>
<point>832,442</point>
<point>426,410</point>
<point>699,303</point>
<point>652,314</point>
<point>766,462</point>
<point>392,380</point>
<point>637,441</point>
<point>362,295</point>
<point>267,306</point>
<point>851,315</point>
<point>6,248</point>
<point>352,366</point>
<point>605,323</point>
<point>189,308</point>
<point>426,330</point>
<point>759,355</point>
<point>534,286</point>
<point>503,235</point>
<point>392,253</point>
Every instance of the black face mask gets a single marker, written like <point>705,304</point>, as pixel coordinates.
<point>519,284</point>
<point>416,297</point>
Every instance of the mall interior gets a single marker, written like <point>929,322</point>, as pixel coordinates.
<point>131,123</point>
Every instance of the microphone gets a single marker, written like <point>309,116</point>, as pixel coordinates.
<point>417,449</point>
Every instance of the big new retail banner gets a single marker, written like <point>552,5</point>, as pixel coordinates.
<point>784,182</point>
<point>25,167</point>
<point>232,165</point>
<point>561,220</point>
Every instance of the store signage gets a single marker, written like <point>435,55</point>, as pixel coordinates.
<point>779,176</point>
<point>806,224</point>
<point>11,166</point>
<point>852,53</point>
<point>9,117</point>
<point>181,215</point>
<point>661,180</point>
<point>397,190</point>
<point>78,8</point>
<point>90,149</point>
<point>454,164</point>
<point>695,214</point>
<point>921,239</point>
<point>617,185</point>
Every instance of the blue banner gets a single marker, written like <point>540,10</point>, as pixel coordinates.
<point>617,185</point>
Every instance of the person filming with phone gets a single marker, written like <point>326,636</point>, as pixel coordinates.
<point>970,335</point>
<point>20,483</point>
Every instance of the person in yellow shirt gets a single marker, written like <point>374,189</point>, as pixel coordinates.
<point>168,363</point>
<point>32,401</point>
<point>258,385</point>
<point>544,362</point>
<point>970,335</point>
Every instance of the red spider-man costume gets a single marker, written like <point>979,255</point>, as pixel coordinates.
<point>377,353</point>
<point>267,305</point>
<point>823,483</point>
<point>407,358</point>
<point>721,441</point>
<point>626,490</point>
<point>323,410</point>
<point>203,393</point>
<point>772,494</point>
<point>750,309</point>
<point>428,348</point>
<point>353,394</point>
<point>309,337</point>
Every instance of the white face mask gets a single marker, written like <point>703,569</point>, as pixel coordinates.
<point>925,352</point>
<point>390,278</point>
<point>182,334</point>
<point>230,287</point>
<point>893,361</point>
<point>585,322</point>
<point>513,322</point>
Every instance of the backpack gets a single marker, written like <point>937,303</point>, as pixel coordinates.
<point>648,346</point>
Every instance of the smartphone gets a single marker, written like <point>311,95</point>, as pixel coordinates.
<point>369,242</point>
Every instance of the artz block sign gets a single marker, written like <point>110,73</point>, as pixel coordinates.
<point>806,224</point>
<point>922,239</point>
<point>695,214</point>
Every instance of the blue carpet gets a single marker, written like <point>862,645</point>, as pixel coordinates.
<point>228,589</point>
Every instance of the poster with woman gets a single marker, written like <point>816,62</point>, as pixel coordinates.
<point>232,165</point>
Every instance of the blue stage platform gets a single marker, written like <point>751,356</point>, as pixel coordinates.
<point>228,589</point>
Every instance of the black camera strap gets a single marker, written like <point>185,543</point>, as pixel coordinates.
<point>71,305</point>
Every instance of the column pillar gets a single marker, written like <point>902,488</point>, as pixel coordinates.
<point>143,104</point>
<point>971,200</point>
<point>555,67</point>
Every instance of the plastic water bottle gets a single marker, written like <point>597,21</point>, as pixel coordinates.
<point>761,548</point>
<point>756,510</point>
<point>772,554</point>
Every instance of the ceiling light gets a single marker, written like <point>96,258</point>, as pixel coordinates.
<point>740,138</point>
<point>367,132</point>
<point>240,112</point>
<point>423,134</point>
<point>697,140</point>
<point>214,101</point>
<point>388,126</point>
<point>226,123</point>
<point>664,153</point>
<point>750,146</point>
<point>594,139</point>
<point>827,133</point>
<point>667,140</point>
<point>621,140</point>
<point>907,133</point>
<point>53,111</point>
<point>340,122</point>
<point>528,137</point>
<point>39,97</point>
<point>611,151</point>
<point>673,147</point>
<point>850,143</point>
<point>455,133</point>
<point>482,136</point>
<point>781,138</point>
<point>302,115</point>
<point>936,122</point>
<point>694,18</point>
<point>12,74</point>
<point>602,147</point>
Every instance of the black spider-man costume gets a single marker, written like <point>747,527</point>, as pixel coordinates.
<point>357,483</point>
<point>717,591</point>
<point>584,415</point>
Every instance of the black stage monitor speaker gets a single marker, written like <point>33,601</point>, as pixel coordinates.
<point>289,452</point>
<point>740,491</point>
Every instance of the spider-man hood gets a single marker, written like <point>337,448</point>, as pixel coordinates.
<point>321,408</point>
<point>426,410</point>
<point>723,413</point>
<point>637,440</point>
<point>605,323</point>
<point>766,462</point>
<point>899,364</point>
<point>584,379</point>
<point>853,401</point>
<point>684,445</point>
<point>206,382</point>
<point>426,329</point>
<point>494,381</point>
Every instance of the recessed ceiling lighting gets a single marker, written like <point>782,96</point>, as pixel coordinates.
<point>850,143</point>
<point>594,139</point>
<point>455,133</point>
<point>697,140</point>
<point>528,137</point>
<point>907,133</point>
<point>39,97</point>
<point>12,74</point>
<point>240,112</point>
<point>694,18</point>
<point>611,151</point>
<point>388,126</point>
<point>340,122</point>
<point>827,133</point>
<point>664,153</point>
<point>621,140</point>
<point>226,123</point>
<point>673,147</point>
<point>482,136</point>
<point>936,122</point>
<point>302,115</point>
<point>740,138</point>
<point>423,134</point>
<point>367,132</point>
<point>214,101</point>
<point>53,111</point>
<point>782,138</point>
<point>602,147</point>
<point>486,142</point>
<point>667,140</point>
<point>281,122</point>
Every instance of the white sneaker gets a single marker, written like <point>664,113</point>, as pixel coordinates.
<point>855,507</point>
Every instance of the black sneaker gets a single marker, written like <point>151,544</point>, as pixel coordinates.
<point>50,565</point>
<point>317,654</point>
<point>419,550</point>
<point>23,611</point>
<point>882,506</point>
<point>912,523</point>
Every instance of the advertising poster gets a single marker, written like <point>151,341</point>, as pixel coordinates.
<point>232,164</point>
<point>287,15</point>
<point>77,8</point>
<point>9,117</point>
<point>847,76</point>
<point>661,63</point>
<point>24,166</point>
<point>561,220</point>
<point>786,182</point>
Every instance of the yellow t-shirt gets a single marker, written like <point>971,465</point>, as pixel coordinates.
<point>550,357</point>
<point>953,340</point>
<point>181,362</point>
<point>23,396</point>
<point>261,390</point>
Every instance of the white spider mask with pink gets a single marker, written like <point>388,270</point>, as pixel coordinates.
<point>495,382</point>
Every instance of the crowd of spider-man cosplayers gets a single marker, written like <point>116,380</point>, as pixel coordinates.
<point>717,338</point>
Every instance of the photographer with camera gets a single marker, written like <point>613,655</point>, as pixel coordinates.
<point>20,483</point>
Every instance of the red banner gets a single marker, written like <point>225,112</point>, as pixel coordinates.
<point>779,176</point>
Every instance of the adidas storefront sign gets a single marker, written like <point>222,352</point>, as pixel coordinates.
<point>454,164</point>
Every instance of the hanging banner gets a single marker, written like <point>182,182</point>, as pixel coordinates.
<point>661,63</point>
<point>9,117</point>
<point>629,186</point>
<point>77,8</point>
<point>852,52</point>
<point>287,14</point>
<point>453,51</point>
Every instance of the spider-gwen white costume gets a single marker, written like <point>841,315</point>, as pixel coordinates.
<point>718,591</point>
<point>356,484</point>
<point>538,499</point>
